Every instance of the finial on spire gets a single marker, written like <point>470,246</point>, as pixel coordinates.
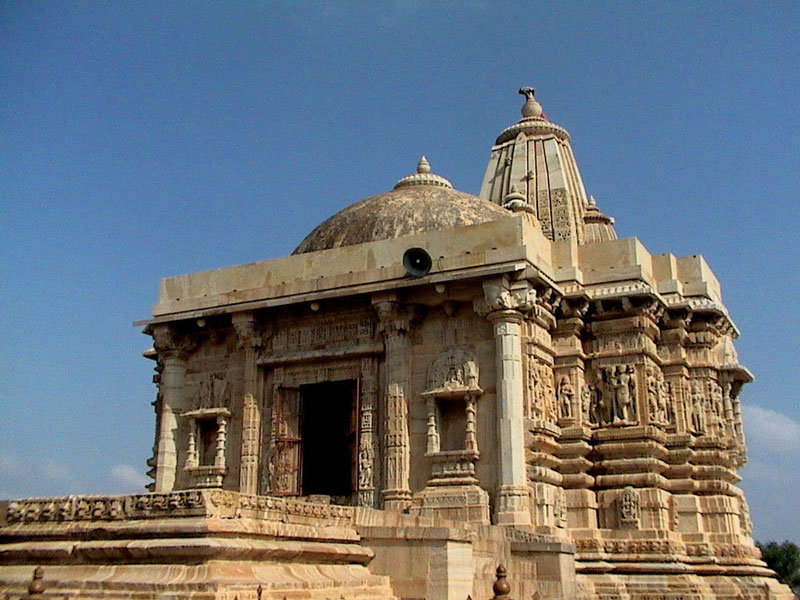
<point>423,166</point>
<point>531,108</point>
<point>423,176</point>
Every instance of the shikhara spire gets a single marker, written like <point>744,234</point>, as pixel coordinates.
<point>535,156</point>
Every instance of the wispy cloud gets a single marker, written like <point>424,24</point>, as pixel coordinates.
<point>128,478</point>
<point>771,478</point>
<point>22,476</point>
<point>769,429</point>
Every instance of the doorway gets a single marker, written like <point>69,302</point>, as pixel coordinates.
<point>330,437</point>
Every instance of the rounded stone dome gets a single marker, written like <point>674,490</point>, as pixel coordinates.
<point>420,202</point>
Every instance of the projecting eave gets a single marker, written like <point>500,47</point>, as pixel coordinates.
<point>511,245</point>
<point>625,268</point>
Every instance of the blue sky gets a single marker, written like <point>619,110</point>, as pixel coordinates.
<point>142,140</point>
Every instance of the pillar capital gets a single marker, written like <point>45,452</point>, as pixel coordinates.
<point>505,297</point>
<point>248,334</point>
<point>169,343</point>
<point>394,317</point>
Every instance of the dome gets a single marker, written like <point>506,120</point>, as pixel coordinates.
<point>420,202</point>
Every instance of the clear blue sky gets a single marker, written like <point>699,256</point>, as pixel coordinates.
<point>141,140</point>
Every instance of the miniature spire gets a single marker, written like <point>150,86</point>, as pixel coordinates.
<point>515,201</point>
<point>531,109</point>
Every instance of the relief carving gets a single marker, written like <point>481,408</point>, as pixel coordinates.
<point>656,398</point>
<point>566,393</point>
<point>698,416</point>
<point>166,340</point>
<point>618,395</point>
<point>542,404</point>
<point>629,507</point>
<point>213,392</point>
<point>499,295</point>
<point>590,405</point>
<point>452,370</point>
<point>322,333</point>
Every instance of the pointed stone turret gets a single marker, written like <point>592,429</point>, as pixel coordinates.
<point>536,156</point>
<point>597,226</point>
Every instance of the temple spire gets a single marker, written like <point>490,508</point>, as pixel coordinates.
<point>532,164</point>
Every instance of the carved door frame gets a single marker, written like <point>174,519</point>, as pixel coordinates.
<point>290,376</point>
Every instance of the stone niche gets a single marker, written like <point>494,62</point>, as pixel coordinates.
<point>451,399</point>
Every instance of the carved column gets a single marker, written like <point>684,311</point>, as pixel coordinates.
<point>395,320</point>
<point>249,341</point>
<point>172,350</point>
<point>503,304</point>
<point>366,452</point>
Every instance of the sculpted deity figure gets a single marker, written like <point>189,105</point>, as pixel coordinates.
<point>589,404</point>
<point>629,507</point>
<point>548,389</point>
<point>652,396</point>
<point>535,395</point>
<point>656,396</point>
<point>365,468</point>
<point>619,394</point>
<point>626,394</point>
<point>698,411</point>
<point>565,396</point>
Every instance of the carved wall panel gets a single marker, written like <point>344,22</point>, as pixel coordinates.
<point>541,402</point>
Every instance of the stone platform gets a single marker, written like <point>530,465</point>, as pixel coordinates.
<point>218,544</point>
<point>199,544</point>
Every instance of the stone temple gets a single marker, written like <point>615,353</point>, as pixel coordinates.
<point>432,384</point>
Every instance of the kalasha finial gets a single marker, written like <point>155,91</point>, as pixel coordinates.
<point>423,166</point>
<point>36,586</point>
<point>501,588</point>
<point>531,108</point>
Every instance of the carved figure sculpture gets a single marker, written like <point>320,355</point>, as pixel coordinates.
<point>535,395</point>
<point>626,394</point>
<point>565,396</point>
<point>588,404</point>
<point>698,411</point>
<point>365,467</point>
<point>549,392</point>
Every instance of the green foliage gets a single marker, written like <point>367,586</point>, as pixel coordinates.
<point>784,559</point>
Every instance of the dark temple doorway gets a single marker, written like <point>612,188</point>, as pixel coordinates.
<point>329,432</point>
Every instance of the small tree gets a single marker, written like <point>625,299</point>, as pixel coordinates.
<point>784,559</point>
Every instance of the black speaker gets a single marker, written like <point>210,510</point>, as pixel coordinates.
<point>417,262</point>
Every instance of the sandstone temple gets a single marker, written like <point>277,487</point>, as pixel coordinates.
<point>432,384</point>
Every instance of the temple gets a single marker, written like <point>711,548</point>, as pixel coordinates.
<point>431,384</point>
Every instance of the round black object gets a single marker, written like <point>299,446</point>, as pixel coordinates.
<point>417,262</point>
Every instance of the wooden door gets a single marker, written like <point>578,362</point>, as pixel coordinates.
<point>287,449</point>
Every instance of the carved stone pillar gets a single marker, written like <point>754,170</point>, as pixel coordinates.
<point>367,469</point>
<point>249,341</point>
<point>395,320</point>
<point>503,304</point>
<point>172,350</point>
